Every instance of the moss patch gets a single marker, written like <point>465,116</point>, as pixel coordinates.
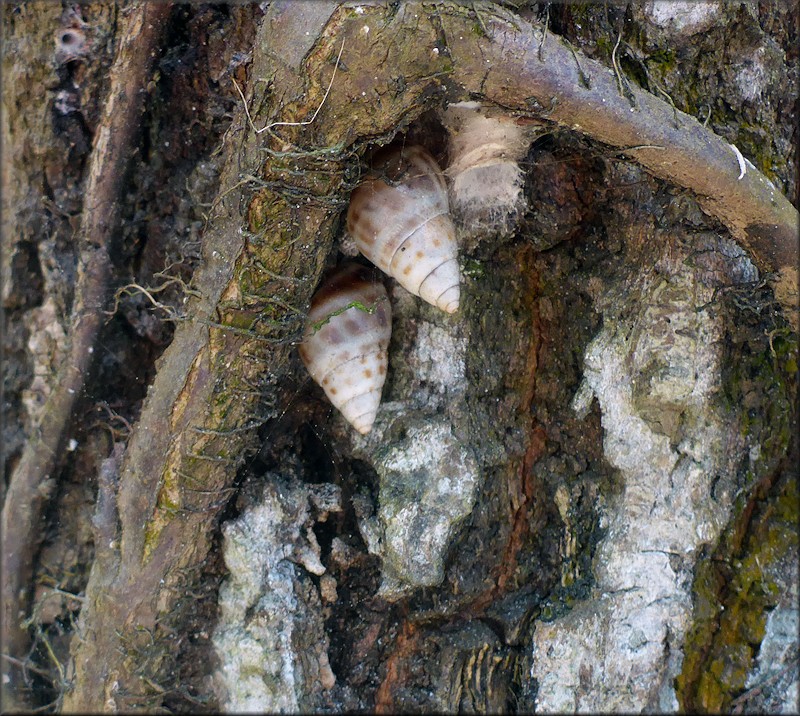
<point>740,583</point>
<point>734,598</point>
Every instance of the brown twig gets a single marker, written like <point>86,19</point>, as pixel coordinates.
<point>752,208</point>
<point>34,479</point>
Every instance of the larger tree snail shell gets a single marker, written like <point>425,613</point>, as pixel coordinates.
<point>346,341</point>
<point>400,220</point>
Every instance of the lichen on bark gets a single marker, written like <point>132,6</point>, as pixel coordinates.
<point>268,638</point>
<point>654,369</point>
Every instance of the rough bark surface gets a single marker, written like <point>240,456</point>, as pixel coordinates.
<point>567,481</point>
<point>32,483</point>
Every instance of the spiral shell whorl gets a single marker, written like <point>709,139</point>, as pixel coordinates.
<point>346,340</point>
<point>400,220</point>
<point>486,179</point>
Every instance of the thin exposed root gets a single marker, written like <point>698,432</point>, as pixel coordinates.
<point>26,665</point>
<point>198,491</point>
<point>616,66</point>
<point>295,193</point>
<point>51,654</point>
<point>622,83</point>
<point>271,274</point>
<point>283,304</point>
<point>584,77</point>
<point>212,458</point>
<point>642,146</point>
<point>230,431</point>
<point>338,152</point>
<point>544,33</point>
<point>291,124</point>
<point>243,332</point>
<point>672,104</point>
<point>740,159</point>
<point>478,16</point>
<point>134,288</point>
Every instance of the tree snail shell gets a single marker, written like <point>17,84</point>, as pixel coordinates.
<point>486,180</point>
<point>346,341</point>
<point>400,219</point>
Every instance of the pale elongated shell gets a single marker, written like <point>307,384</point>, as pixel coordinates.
<point>400,220</point>
<point>486,180</point>
<point>346,342</point>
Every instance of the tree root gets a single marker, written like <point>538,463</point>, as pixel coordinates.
<point>685,152</point>
<point>34,480</point>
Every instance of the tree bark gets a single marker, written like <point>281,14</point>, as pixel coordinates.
<point>518,472</point>
<point>32,483</point>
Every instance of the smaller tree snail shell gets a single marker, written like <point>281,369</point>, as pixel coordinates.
<point>346,341</point>
<point>400,220</point>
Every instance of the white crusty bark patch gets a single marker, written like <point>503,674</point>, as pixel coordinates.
<point>657,382</point>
